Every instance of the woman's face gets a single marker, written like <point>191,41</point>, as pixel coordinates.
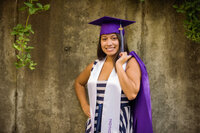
<point>109,44</point>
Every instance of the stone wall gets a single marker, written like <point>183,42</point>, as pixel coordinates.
<point>44,100</point>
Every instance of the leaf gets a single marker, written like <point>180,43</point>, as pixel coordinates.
<point>31,31</point>
<point>180,11</point>
<point>182,6</point>
<point>187,6</point>
<point>27,39</point>
<point>26,30</point>
<point>23,57</point>
<point>16,47</point>
<point>28,4</point>
<point>21,38</point>
<point>21,34</point>
<point>28,27</point>
<point>17,65</point>
<point>18,57</point>
<point>32,65</point>
<point>22,8</point>
<point>28,56</point>
<point>23,65</point>
<point>31,11</point>
<point>46,7</point>
<point>195,19</point>
<point>175,6</point>
<point>198,8</point>
<point>17,41</point>
<point>19,26</point>
<point>32,68</point>
<point>27,50</point>
<point>14,33</point>
<point>39,5</point>
<point>26,33</point>
<point>29,47</point>
<point>27,61</point>
<point>34,0</point>
<point>15,28</point>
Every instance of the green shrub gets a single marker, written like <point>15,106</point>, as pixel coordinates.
<point>192,22</point>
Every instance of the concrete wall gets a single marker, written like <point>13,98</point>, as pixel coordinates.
<point>44,100</point>
<point>7,69</point>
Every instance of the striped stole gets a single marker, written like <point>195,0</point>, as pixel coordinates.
<point>112,98</point>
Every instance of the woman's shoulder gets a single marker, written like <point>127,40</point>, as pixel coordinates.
<point>132,62</point>
<point>98,61</point>
<point>92,64</point>
<point>95,61</point>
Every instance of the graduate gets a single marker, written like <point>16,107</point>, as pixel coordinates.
<point>117,83</point>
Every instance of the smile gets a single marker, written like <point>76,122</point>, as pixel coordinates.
<point>110,49</point>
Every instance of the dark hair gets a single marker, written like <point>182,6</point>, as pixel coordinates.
<point>101,55</point>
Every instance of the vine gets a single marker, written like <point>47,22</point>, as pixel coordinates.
<point>23,32</point>
<point>191,9</point>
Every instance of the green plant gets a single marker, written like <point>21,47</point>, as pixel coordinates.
<point>22,33</point>
<point>191,9</point>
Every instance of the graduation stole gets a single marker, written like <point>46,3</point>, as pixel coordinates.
<point>112,99</point>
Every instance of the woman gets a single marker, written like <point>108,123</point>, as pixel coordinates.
<point>113,82</point>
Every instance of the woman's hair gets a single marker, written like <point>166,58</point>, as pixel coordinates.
<point>101,55</point>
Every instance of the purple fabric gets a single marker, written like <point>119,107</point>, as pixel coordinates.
<point>142,117</point>
<point>109,28</point>
<point>110,24</point>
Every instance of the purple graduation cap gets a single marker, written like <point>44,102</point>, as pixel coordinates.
<point>112,25</point>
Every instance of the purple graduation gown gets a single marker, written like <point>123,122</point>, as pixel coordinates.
<point>142,119</point>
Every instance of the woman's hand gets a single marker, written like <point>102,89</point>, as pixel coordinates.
<point>123,58</point>
<point>86,110</point>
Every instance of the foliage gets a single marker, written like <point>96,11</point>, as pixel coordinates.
<point>191,9</point>
<point>23,32</point>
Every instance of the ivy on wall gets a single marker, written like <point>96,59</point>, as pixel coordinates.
<point>191,8</point>
<point>23,32</point>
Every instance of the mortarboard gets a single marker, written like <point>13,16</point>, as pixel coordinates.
<point>112,25</point>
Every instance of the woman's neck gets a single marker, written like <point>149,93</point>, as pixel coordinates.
<point>109,59</point>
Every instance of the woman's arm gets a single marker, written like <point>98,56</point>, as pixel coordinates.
<point>80,83</point>
<point>129,79</point>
